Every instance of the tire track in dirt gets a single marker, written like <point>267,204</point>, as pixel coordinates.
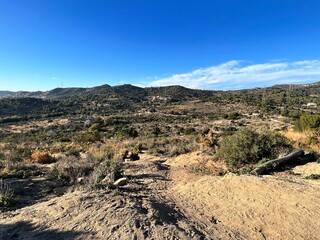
<point>162,208</point>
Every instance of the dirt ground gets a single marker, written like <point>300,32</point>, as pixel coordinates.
<point>164,200</point>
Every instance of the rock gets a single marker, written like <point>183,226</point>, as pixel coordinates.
<point>120,182</point>
<point>80,180</point>
<point>129,154</point>
<point>87,123</point>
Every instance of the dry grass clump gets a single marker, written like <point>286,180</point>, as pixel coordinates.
<point>299,137</point>
<point>42,157</point>
<point>199,163</point>
<point>100,152</point>
<point>18,170</point>
<point>304,139</point>
<point>209,167</point>
<point>8,166</point>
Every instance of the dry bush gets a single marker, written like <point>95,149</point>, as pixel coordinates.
<point>209,140</point>
<point>70,169</point>
<point>104,174</point>
<point>42,157</point>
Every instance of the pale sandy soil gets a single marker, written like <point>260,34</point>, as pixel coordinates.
<point>141,210</point>
<point>307,169</point>
<point>170,202</point>
<point>269,207</point>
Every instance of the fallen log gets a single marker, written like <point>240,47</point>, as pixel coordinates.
<point>273,163</point>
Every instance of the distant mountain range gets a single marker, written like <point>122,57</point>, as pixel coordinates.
<point>16,106</point>
<point>134,93</point>
<point>115,91</point>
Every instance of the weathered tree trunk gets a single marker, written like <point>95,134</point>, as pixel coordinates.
<point>273,163</point>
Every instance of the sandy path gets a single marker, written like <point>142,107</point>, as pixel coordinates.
<point>168,202</point>
<point>141,210</point>
<point>257,207</point>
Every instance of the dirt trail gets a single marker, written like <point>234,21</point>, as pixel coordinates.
<point>164,201</point>
<point>143,209</point>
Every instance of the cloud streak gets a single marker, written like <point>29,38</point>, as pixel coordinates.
<point>239,74</point>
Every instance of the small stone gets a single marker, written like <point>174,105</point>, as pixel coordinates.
<point>80,180</point>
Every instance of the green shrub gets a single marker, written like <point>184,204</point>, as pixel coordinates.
<point>137,148</point>
<point>95,127</point>
<point>156,131</point>
<point>247,147</point>
<point>73,152</point>
<point>294,114</point>
<point>307,122</point>
<point>87,136</point>
<point>189,131</point>
<point>231,115</point>
<point>6,194</point>
<point>15,153</point>
<point>127,132</point>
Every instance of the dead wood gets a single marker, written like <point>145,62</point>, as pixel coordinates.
<point>273,163</point>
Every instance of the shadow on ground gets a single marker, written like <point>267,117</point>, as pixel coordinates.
<point>25,230</point>
<point>292,164</point>
<point>30,191</point>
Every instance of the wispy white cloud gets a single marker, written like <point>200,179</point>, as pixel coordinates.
<point>239,74</point>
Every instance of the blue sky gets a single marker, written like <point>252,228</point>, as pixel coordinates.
<point>210,44</point>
